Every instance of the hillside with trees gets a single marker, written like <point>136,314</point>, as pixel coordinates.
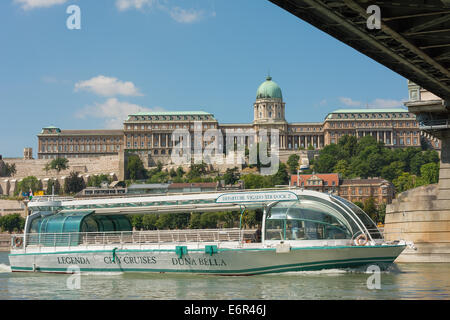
<point>406,168</point>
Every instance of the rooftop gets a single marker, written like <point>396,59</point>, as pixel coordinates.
<point>172,113</point>
<point>82,132</point>
<point>369,110</point>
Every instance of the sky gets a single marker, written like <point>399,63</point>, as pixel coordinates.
<point>173,55</point>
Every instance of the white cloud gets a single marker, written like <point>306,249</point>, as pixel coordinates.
<point>386,103</point>
<point>108,87</point>
<point>123,5</point>
<point>113,111</point>
<point>177,13</point>
<point>49,79</point>
<point>377,103</point>
<point>350,102</point>
<point>33,4</point>
<point>186,15</point>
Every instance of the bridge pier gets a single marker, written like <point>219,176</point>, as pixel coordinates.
<point>422,215</point>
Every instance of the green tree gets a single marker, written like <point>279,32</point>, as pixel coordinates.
<point>58,164</point>
<point>282,176</point>
<point>430,173</point>
<point>135,168</point>
<point>172,221</point>
<point>343,168</point>
<point>136,221</point>
<point>229,218</point>
<point>158,177</point>
<point>231,176</point>
<point>256,181</point>
<point>347,145</point>
<point>251,218</point>
<point>194,221</point>
<point>29,183</point>
<point>325,163</point>
<point>381,212</point>
<point>292,163</point>
<point>359,204</point>
<point>197,171</point>
<point>12,223</point>
<point>209,220</point>
<point>393,170</point>
<point>73,183</point>
<point>370,208</point>
<point>10,169</point>
<point>180,172</point>
<point>53,183</point>
<point>405,182</point>
<point>97,180</point>
<point>172,173</point>
<point>149,221</point>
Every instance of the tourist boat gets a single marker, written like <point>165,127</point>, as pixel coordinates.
<point>300,230</point>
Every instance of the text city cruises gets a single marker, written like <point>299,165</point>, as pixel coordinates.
<point>301,230</point>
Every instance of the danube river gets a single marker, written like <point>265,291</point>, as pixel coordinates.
<point>402,281</point>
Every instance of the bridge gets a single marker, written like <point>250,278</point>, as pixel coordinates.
<point>412,38</point>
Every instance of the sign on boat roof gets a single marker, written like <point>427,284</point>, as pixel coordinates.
<point>257,197</point>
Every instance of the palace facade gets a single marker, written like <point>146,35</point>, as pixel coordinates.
<point>149,134</point>
<point>56,143</point>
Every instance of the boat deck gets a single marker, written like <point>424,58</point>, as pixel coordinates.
<point>152,238</point>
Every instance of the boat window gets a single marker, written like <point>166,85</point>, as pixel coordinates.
<point>89,225</point>
<point>308,219</point>
<point>365,219</point>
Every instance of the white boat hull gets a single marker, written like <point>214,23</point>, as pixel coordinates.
<point>203,260</point>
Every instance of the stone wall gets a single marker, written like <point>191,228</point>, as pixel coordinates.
<point>422,215</point>
<point>12,206</point>
<point>86,167</point>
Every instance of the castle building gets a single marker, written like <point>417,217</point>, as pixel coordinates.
<point>56,143</point>
<point>149,134</point>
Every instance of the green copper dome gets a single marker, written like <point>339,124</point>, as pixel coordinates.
<point>269,89</point>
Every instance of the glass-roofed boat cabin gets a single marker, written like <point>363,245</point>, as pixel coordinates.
<point>314,217</point>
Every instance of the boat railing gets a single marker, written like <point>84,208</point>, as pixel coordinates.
<point>392,234</point>
<point>135,237</point>
<point>145,195</point>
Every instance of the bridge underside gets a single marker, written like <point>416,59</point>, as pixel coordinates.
<point>414,39</point>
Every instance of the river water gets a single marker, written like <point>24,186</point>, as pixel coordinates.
<point>401,281</point>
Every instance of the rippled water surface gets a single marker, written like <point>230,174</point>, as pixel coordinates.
<point>401,281</point>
